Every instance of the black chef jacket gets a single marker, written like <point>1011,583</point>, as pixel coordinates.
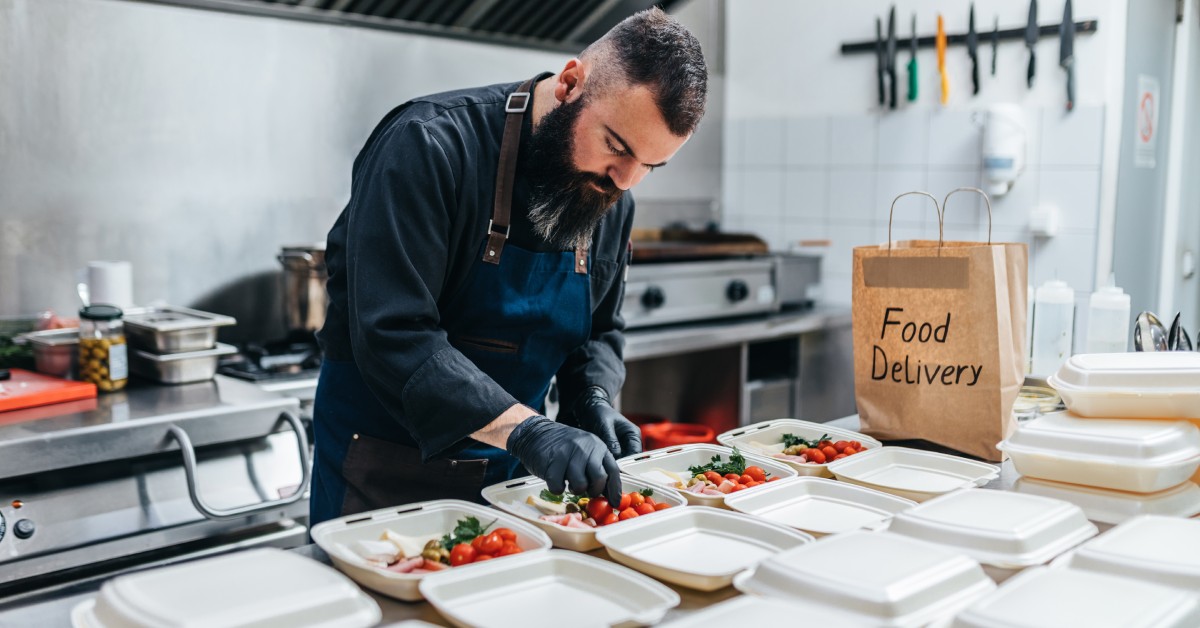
<point>420,201</point>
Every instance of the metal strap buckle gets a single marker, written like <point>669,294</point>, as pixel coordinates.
<point>509,107</point>
<point>503,233</point>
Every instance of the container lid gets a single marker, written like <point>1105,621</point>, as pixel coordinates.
<point>1066,597</point>
<point>1144,372</point>
<point>541,589</point>
<point>1165,550</point>
<point>876,577</point>
<point>914,470</point>
<point>218,350</point>
<point>1127,441</point>
<point>100,312</point>
<point>167,318</point>
<point>998,528</point>
<point>261,587</point>
<point>749,610</point>
<point>1109,506</point>
<point>818,505</point>
<point>53,337</point>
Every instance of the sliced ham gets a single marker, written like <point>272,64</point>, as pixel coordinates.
<point>407,565</point>
<point>726,487</point>
<point>433,565</point>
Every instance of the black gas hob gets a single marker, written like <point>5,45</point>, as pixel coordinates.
<point>297,356</point>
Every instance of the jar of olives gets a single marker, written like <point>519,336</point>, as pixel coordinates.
<point>103,356</point>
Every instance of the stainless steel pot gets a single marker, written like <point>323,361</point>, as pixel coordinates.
<point>304,295</point>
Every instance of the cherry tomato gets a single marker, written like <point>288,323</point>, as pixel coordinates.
<point>482,557</point>
<point>815,455</point>
<point>644,508</point>
<point>849,451</point>
<point>662,506</point>
<point>752,484</point>
<point>829,452</point>
<point>598,508</point>
<point>650,500</point>
<point>713,476</point>
<point>839,456</point>
<point>825,443</point>
<point>506,534</point>
<point>636,499</point>
<point>611,518</point>
<point>462,554</point>
<point>625,499</point>
<point>509,549</point>
<point>841,446</point>
<point>857,445</point>
<point>739,487</point>
<point>628,513</point>
<point>492,543</point>
<point>477,542</point>
<point>756,473</point>
<point>774,479</point>
<point>732,476</point>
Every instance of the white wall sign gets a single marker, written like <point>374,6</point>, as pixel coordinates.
<point>1146,127</point>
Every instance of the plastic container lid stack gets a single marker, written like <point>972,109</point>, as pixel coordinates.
<point>874,578</point>
<point>1136,456</point>
<point>1114,507</point>
<point>1049,598</point>
<point>998,528</point>
<point>1165,550</point>
<point>258,588</point>
<point>1153,385</point>
<point>911,473</point>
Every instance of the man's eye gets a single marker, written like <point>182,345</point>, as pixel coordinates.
<point>613,149</point>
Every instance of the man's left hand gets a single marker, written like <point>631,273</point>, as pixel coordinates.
<point>594,413</point>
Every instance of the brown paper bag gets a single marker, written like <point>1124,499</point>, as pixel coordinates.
<point>939,341</point>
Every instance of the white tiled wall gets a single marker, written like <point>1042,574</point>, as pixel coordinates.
<point>834,177</point>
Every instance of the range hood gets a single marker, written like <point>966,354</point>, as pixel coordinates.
<point>561,25</point>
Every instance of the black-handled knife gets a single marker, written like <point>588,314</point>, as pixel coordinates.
<point>973,50</point>
<point>1031,39</point>
<point>1066,51</point>
<point>891,58</point>
<point>880,62</point>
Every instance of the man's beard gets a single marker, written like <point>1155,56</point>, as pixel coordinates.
<point>564,207</point>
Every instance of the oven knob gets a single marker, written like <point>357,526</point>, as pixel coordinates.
<point>23,528</point>
<point>653,298</point>
<point>737,290</point>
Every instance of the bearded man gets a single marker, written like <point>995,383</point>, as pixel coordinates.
<point>483,252</point>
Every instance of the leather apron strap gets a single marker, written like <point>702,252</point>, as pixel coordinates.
<point>497,234</point>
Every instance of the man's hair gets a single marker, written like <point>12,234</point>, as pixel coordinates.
<point>652,49</point>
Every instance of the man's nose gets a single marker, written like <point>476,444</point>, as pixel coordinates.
<point>626,174</point>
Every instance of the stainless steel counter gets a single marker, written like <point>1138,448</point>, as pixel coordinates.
<point>673,340</point>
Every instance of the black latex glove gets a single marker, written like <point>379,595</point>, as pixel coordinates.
<point>565,456</point>
<point>593,413</point>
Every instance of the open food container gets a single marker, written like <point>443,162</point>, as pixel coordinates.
<point>872,578</point>
<point>55,352</point>
<point>178,368</point>
<point>1158,549</point>
<point>700,548</point>
<point>819,506</point>
<point>410,526</point>
<point>173,329</point>
<point>1042,596</point>
<point>513,497</point>
<point>1150,385</point>
<point>998,528</point>
<point>1137,456</point>
<point>262,588</point>
<point>767,439</point>
<point>547,589</point>
<point>669,467</point>
<point>912,473</point>
<point>1108,506</point>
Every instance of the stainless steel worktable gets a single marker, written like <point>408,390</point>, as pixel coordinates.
<point>660,341</point>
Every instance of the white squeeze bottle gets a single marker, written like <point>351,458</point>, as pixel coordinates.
<point>1108,320</point>
<point>1053,323</point>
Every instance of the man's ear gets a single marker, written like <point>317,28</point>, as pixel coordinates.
<point>570,81</point>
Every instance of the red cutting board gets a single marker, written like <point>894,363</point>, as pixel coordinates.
<point>27,389</point>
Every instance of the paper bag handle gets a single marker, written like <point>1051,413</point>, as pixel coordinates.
<point>892,215</point>
<point>946,205</point>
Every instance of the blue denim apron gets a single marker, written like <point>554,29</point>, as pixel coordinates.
<point>517,318</point>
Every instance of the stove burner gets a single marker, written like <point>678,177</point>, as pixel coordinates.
<point>294,357</point>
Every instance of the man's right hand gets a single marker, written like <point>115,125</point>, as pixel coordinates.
<point>566,457</point>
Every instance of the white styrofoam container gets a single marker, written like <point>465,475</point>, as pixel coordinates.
<point>912,473</point>
<point>1138,456</point>
<point>423,519</point>
<point>505,494</point>
<point>548,589</point>
<point>875,578</point>
<point>677,460</point>
<point>766,438</point>
<point>701,548</point>
<point>1108,506</point>
<point>751,610</point>
<point>998,528</point>
<point>262,588</point>
<point>1150,385</point>
<point>819,506</point>
<point>1158,549</point>
<point>1042,597</point>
